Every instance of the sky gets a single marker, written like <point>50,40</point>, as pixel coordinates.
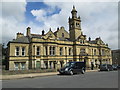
<point>99,19</point>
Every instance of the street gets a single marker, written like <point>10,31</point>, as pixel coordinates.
<point>88,80</point>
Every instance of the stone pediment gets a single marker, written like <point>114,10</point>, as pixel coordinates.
<point>49,35</point>
<point>99,41</point>
<point>61,33</point>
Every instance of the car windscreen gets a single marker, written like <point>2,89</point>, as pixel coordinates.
<point>103,65</point>
<point>69,64</point>
<point>115,65</point>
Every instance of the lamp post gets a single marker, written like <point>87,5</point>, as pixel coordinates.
<point>66,53</point>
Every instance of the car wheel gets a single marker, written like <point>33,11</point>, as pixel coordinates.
<point>83,71</point>
<point>71,72</point>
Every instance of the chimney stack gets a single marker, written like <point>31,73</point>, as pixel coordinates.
<point>19,35</point>
<point>89,39</point>
<point>28,33</point>
<point>43,32</point>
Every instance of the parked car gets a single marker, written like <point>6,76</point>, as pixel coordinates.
<point>115,66</point>
<point>106,67</point>
<point>73,68</point>
<point>118,67</point>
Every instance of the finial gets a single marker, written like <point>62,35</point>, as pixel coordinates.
<point>50,29</point>
<point>28,28</point>
<point>81,33</point>
<point>58,28</point>
<point>73,7</point>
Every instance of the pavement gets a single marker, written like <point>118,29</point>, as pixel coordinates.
<point>32,75</point>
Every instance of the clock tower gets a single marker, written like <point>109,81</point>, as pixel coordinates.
<point>74,25</point>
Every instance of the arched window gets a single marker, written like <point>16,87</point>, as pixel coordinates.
<point>95,52</point>
<point>69,51</point>
<point>82,50</point>
<point>61,50</point>
<point>76,24</point>
<point>62,34</point>
<point>38,51</point>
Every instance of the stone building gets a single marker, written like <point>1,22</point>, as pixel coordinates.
<point>54,49</point>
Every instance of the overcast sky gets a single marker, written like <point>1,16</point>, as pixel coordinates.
<point>99,19</point>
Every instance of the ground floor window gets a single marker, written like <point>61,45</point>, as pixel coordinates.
<point>23,65</point>
<point>16,66</point>
<point>20,65</point>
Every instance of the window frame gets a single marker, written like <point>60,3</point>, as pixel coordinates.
<point>82,50</point>
<point>46,50</point>
<point>38,51</point>
<point>22,51</point>
<point>70,51</point>
<point>61,51</point>
<point>52,51</point>
<point>63,35</point>
<point>17,52</point>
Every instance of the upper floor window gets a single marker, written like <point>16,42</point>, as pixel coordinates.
<point>65,50</point>
<point>82,50</point>
<point>38,51</point>
<point>103,52</point>
<point>17,51</point>
<point>61,50</point>
<point>70,51</point>
<point>23,51</point>
<point>82,41</point>
<point>62,34</point>
<point>77,24</point>
<point>52,50</point>
<point>46,50</point>
<point>95,52</point>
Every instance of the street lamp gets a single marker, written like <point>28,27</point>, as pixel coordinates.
<point>66,53</point>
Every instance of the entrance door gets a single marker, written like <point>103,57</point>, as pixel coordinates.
<point>38,64</point>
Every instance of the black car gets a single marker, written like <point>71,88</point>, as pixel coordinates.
<point>106,67</point>
<point>73,68</point>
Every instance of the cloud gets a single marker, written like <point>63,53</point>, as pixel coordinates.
<point>12,20</point>
<point>40,15</point>
<point>98,19</point>
<point>13,10</point>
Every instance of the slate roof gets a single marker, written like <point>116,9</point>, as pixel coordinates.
<point>36,35</point>
<point>23,39</point>
<point>93,42</point>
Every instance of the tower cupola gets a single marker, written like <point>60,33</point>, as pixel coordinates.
<point>74,12</point>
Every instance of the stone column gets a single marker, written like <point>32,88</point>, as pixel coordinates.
<point>48,65</point>
<point>56,50</point>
